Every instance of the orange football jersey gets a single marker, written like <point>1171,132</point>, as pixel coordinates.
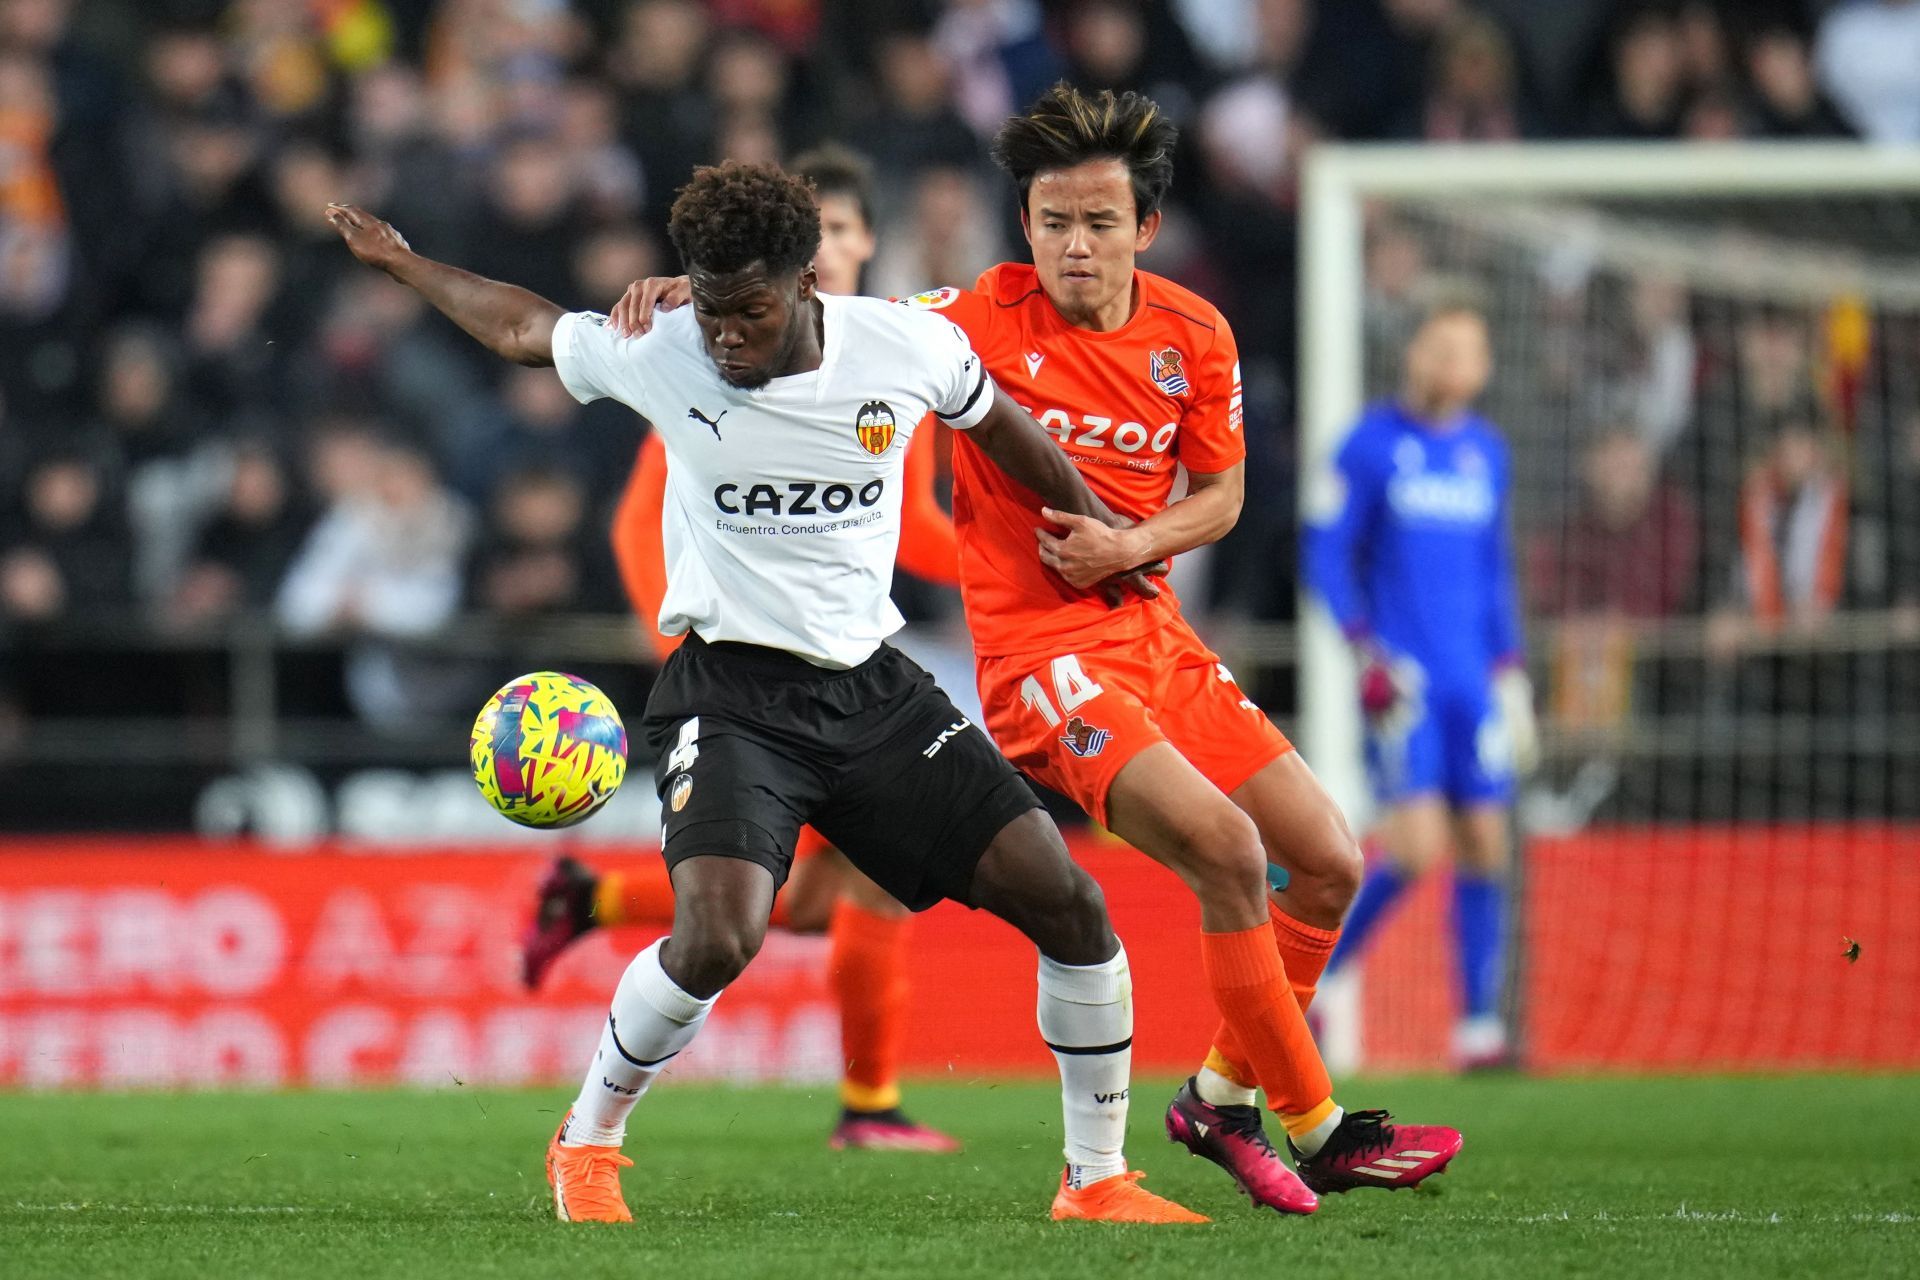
<point>1162,389</point>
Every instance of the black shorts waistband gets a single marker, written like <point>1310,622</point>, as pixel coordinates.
<point>777,662</point>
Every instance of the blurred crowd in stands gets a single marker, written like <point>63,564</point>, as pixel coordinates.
<point>208,407</point>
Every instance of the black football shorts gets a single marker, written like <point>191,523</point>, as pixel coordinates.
<point>753,743</point>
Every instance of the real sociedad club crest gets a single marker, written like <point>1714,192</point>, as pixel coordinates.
<point>1084,739</point>
<point>874,426</point>
<point>1167,372</point>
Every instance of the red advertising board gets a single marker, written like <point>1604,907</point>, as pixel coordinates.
<point>162,962</point>
<point>1686,949</point>
<point>157,963</point>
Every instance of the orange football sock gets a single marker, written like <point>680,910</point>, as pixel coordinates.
<point>644,896</point>
<point>1303,953</point>
<point>868,969</point>
<point>1250,986</point>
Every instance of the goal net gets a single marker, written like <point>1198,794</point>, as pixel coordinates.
<point>1707,367</point>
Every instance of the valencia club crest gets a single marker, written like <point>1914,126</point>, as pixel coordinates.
<point>874,427</point>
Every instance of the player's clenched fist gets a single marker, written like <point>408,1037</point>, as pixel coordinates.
<point>372,241</point>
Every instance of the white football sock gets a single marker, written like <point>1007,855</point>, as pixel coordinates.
<point>652,1019</point>
<point>1309,1143</point>
<point>1221,1091</point>
<point>1086,1018</point>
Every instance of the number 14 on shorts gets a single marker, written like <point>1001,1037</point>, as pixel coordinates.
<point>1072,688</point>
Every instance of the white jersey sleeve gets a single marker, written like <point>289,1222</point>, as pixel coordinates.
<point>965,392</point>
<point>592,361</point>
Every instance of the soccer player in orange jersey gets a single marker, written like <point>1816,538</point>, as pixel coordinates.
<point>1125,709</point>
<point>824,893</point>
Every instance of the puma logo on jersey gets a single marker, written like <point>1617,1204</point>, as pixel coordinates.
<point>711,422</point>
<point>1034,360</point>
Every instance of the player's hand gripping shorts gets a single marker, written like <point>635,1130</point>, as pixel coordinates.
<point>1073,720</point>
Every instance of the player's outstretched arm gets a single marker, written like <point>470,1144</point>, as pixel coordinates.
<point>508,320</point>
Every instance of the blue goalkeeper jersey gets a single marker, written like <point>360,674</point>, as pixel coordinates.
<point>1407,541</point>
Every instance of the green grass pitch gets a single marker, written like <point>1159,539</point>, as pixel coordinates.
<point>1748,1178</point>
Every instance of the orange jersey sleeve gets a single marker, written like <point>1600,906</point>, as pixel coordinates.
<point>1127,406</point>
<point>638,545</point>
<point>928,547</point>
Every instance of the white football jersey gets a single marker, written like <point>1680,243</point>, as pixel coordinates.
<point>783,503</point>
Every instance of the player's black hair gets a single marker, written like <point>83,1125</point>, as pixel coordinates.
<point>835,170</point>
<point>733,215</point>
<point>1067,127</point>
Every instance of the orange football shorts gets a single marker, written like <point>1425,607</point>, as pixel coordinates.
<point>1072,721</point>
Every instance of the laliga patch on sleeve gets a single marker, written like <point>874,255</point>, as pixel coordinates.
<point>932,299</point>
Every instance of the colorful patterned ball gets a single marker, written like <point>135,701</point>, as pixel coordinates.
<point>548,750</point>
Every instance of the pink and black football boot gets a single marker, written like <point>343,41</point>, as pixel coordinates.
<point>888,1130</point>
<point>562,913</point>
<point>1368,1150</point>
<point>1234,1139</point>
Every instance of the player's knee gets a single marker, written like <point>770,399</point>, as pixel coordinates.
<point>703,962</point>
<point>714,938</point>
<point>1068,920</point>
<point>1084,933</point>
<point>1222,857</point>
<point>1028,880</point>
<point>1333,865</point>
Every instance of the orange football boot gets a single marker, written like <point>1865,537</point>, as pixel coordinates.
<point>586,1181</point>
<point>1117,1199</point>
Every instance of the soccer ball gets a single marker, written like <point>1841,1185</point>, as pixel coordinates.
<point>548,750</point>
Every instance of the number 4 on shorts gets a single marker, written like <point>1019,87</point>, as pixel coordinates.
<point>687,750</point>
<point>1071,686</point>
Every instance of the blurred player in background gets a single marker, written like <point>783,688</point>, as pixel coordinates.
<point>1409,546</point>
<point>1125,709</point>
<point>868,963</point>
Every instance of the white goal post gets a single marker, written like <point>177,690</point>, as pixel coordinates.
<point>1339,181</point>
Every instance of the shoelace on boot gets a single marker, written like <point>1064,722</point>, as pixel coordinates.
<point>1364,1131</point>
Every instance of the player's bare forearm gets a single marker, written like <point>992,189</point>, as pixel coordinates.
<point>509,321</point>
<point>1089,551</point>
<point>1022,448</point>
<point>1207,514</point>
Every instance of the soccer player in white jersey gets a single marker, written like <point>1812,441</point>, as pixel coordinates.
<point>786,414</point>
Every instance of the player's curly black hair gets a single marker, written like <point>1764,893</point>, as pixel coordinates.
<point>1067,127</point>
<point>733,215</point>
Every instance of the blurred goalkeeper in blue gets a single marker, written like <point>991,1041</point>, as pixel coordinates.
<point>1408,544</point>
